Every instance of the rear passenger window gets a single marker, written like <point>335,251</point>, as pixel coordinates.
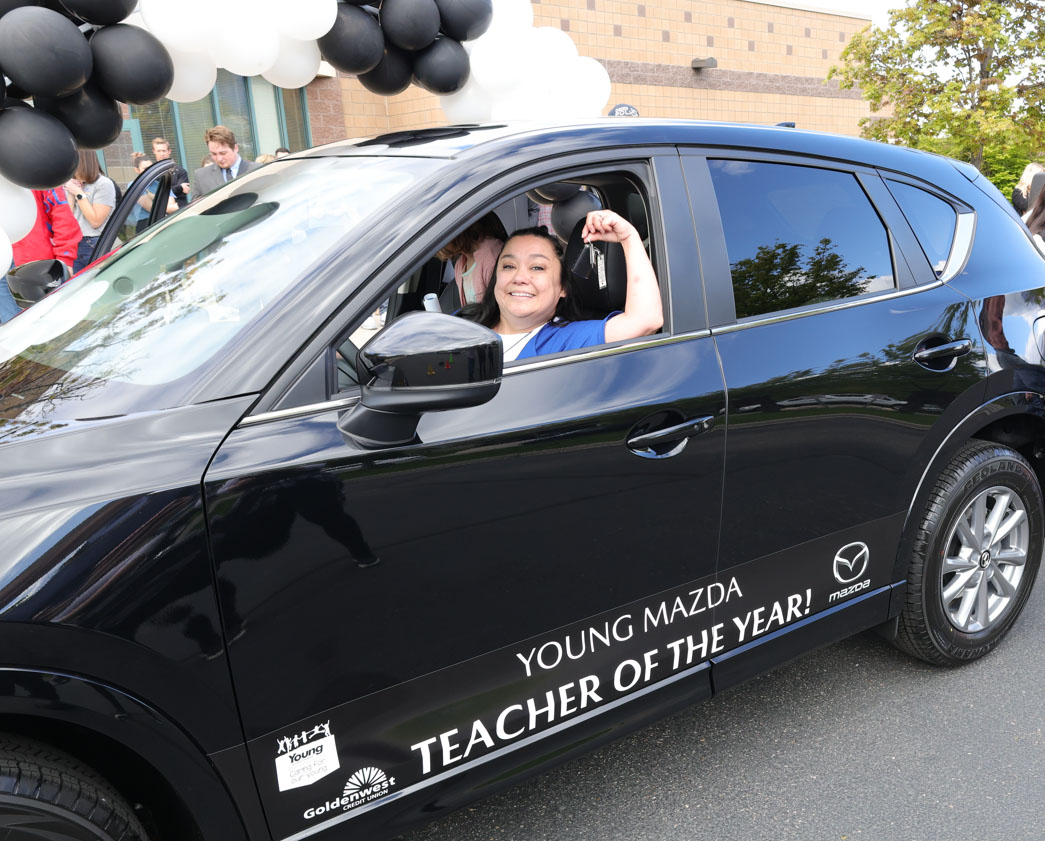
<point>798,235</point>
<point>932,219</point>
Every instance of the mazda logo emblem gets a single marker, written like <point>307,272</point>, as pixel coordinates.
<point>851,562</point>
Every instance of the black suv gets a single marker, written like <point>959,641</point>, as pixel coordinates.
<point>265,574</point>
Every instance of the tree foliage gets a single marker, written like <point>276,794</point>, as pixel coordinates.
<point>776,278</point>
<point>962,77</point>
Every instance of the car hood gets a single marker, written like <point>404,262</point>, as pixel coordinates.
<point>49,465</point>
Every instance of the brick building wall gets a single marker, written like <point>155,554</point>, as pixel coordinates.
<point>773,58</point>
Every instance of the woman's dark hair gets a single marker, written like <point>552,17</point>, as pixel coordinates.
<point>488,313</point>
<point>1036,220</point>
<point>466,242</point>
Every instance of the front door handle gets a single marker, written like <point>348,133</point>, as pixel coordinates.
<point>937,353</point>
<point>648,443</point>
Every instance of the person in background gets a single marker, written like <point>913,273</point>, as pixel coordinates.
<point>161,151</point>
<point>94,196</point>
<point>55,236</point>
<point>1021,192</point>
<point>474,254</point>
<point>1036,217</point>
<point>139,214</point>
<point>282,152</point>
<point>224,151</point>
<point>264,159</point>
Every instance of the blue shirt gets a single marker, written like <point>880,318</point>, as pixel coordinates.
<point>555,338</point>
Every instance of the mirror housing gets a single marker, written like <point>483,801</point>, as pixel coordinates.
<point>31,281</point>
<point>421,362</point>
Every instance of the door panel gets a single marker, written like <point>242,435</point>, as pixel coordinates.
<point>358,586</point>
<point>831,417</point>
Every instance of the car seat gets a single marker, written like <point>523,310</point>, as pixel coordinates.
<point>600,284</point>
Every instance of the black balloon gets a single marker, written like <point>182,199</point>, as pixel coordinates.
<point>465,20</point>
<point>441,68</point>
<point>130,64</point>
<point>410,24</point>
<point>94,118</point>
<point>3,90</point>
<point>16,103</point>
<point>102,12</point>
<point>43,52</point>
<point>36,151</point>
<point>355,43</point>
<point>392,74</point>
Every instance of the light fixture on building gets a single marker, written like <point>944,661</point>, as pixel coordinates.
<point>703,63</point>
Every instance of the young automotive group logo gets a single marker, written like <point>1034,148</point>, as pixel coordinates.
<point>305,757</point>
<point>850,565</point>
<point>364,786</point>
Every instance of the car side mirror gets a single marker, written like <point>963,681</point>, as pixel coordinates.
<point>421,362</point>
<point>31,281</point>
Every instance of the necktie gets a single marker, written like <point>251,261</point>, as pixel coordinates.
<point>228,174</point>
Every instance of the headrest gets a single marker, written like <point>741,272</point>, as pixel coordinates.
<point>567,212</point>
<point>600,289</point>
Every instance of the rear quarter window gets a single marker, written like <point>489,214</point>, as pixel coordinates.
<point>931,218</point>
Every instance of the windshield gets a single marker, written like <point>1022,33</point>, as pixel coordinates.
<point>113,339</point>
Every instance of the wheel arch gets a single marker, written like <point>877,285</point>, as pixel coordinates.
<point>1015,420</point>
<point>145,756</point>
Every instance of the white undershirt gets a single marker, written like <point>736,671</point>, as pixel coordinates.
<point>513,343</point>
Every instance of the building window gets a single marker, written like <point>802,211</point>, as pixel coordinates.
<point>262,117</point>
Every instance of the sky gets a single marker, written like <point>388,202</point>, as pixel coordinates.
<point>879,9</point>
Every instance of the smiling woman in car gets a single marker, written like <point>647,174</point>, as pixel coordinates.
<point>534,307</point>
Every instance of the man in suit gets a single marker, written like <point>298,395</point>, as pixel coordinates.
<point>224,151</point>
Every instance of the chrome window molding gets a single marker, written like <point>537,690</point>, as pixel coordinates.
<point>655,340</point>
<point>961,246</point>
<point>832,307</point>
<point>295,411</point>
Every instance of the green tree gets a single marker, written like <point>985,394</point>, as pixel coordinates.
<point>965,78</point>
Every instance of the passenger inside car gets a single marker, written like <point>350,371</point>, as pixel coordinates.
<point>536,307</point>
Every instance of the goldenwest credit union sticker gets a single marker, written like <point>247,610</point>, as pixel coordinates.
<point>307,757</point>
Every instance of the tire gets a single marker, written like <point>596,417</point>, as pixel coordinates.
<point>47,795</point>
<point>966,587</point>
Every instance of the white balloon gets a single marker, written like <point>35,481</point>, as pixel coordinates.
<point>549,46</point>
<point>501,60</point>
<point>248,48</point>
<point>297,64</point>
<point>6,252</point>
<point>471,104</point>
<point>194,76</point>
<point>593,84</point>
<point>511,15</point>
<point>303,20</point>
<point>179,25</point>
<point>17,214</point>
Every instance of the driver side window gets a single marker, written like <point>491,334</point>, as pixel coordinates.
<point>459,276</point>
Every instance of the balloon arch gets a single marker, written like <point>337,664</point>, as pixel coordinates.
<point>77,60</point>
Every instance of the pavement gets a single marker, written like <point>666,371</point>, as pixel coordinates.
<point>855,741</point>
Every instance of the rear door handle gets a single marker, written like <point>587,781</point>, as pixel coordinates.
<point>643,445</point>
<point>948,350</point>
